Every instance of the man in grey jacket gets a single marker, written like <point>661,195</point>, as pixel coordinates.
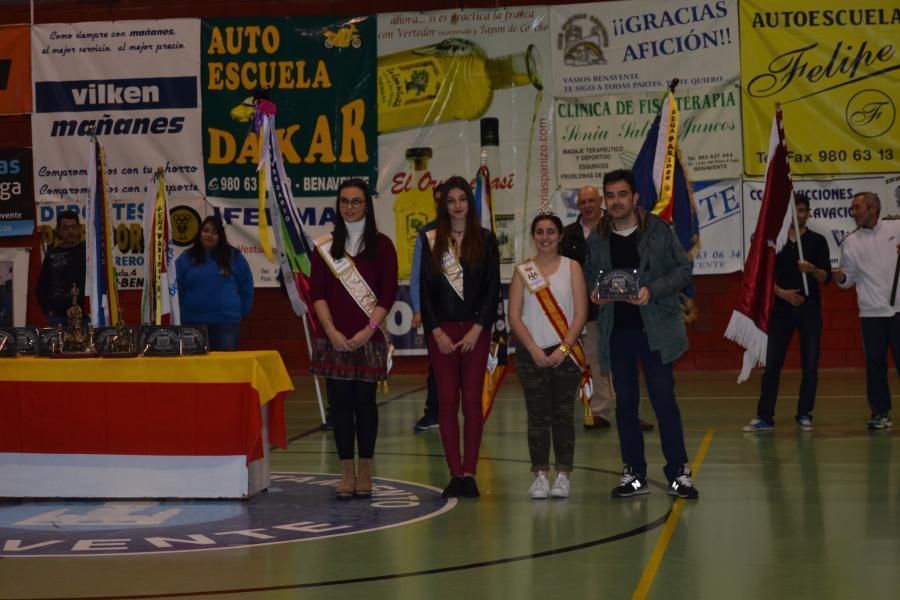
<point>647,329</point>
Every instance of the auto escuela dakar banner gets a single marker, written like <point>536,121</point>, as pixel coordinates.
<point>835,69</point>
<point>319,73</point>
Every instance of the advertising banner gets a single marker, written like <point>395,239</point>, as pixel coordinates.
<point>721,228</point>
<point>319,73</point>
<point>443,78</point>
<point>133,83</point>
<point>15,69</point>
<point>603,133</point>
<point>829,205</point>
<point>128,234</point>
<point>16,193</point>
<point>621,47</point>
<point>241,220</point>
<point>835,69</point>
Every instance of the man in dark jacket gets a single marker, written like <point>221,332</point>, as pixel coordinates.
<point>794,310</point>
<point>63,267</point>
<point>573,245</point>
<point>646,330</point>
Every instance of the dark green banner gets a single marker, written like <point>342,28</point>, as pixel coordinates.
<point>319,72</point>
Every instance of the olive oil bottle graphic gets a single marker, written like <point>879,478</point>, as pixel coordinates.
<point>453,80</point>
<point>412,209</point>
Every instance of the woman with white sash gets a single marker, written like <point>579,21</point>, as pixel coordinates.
<point>459,291</point>
<point>353,284</point>
<point>547,311</point>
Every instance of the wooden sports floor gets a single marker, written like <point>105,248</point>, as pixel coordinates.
<point>781,515</point>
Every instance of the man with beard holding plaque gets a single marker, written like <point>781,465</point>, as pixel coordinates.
<point>646,328</point>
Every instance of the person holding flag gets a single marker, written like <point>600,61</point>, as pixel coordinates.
<point>547,310</point>
<point>215,285</point>
<point>460,287</point>
<point>647,330</point>
<point>793,308</point>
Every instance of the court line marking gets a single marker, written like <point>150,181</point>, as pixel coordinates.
<point>646,581</point>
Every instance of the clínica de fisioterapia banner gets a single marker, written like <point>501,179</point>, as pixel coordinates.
<point>319,73</point>
<point>835,68</point>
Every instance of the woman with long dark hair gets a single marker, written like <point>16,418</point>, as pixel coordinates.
<point>215,285</point>
<point>353,284</point>
<point>460,287</point>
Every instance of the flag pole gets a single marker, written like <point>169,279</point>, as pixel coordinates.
<point>315,377</point>
<point>799,246</point>
<point>796,225</point>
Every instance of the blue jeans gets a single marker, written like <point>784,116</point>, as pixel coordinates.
<point>223,337</point>
<point>879,334</point>
<point>807,320</point>
<point>627,349</point>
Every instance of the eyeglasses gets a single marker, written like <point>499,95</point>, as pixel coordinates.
<point>355,202</point>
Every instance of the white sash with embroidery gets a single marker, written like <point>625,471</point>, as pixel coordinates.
<point>346,272</point>
<point>450,265</point>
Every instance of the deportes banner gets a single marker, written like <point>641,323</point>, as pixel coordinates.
<point>438,74</point>
<point>835,69</point>
<point>136,84</point>
<point>621,47</point>
<point>318,71</point>
<point>15,70</point>
<point>597,135</point>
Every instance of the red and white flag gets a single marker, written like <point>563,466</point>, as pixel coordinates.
<point>749,323</point>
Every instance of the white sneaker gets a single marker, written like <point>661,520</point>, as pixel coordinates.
<point>540,489</point>
<point>560,487</point>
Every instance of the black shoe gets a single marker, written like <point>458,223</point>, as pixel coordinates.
<point>327,426</point>
<point>425,423</point>
<point>598,423</point>
<point>630,485</point>
<point>683,487</point>
<point>469,487</point>
<point>454,489</point>
<point>645,426</point>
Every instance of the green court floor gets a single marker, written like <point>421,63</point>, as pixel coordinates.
<point>782,515</point>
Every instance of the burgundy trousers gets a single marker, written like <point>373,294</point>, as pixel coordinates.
<point>460,379</point>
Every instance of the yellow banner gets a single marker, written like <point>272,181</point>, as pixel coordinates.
<point>835,68</point>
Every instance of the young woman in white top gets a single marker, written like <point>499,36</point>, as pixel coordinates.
<point>547,312</point>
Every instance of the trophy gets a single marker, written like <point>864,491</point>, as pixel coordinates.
<point>159,340</point>
<point>617,284</point>
<point>73,341</point>
<point>117,342</point>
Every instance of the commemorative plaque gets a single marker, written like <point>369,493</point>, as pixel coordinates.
<point>116,342</point>
<point>618,284</point>
<point>194,340</point>
<point>159,340</point>
<point>28,340</point>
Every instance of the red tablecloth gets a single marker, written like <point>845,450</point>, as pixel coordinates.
<point>148,417</point>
